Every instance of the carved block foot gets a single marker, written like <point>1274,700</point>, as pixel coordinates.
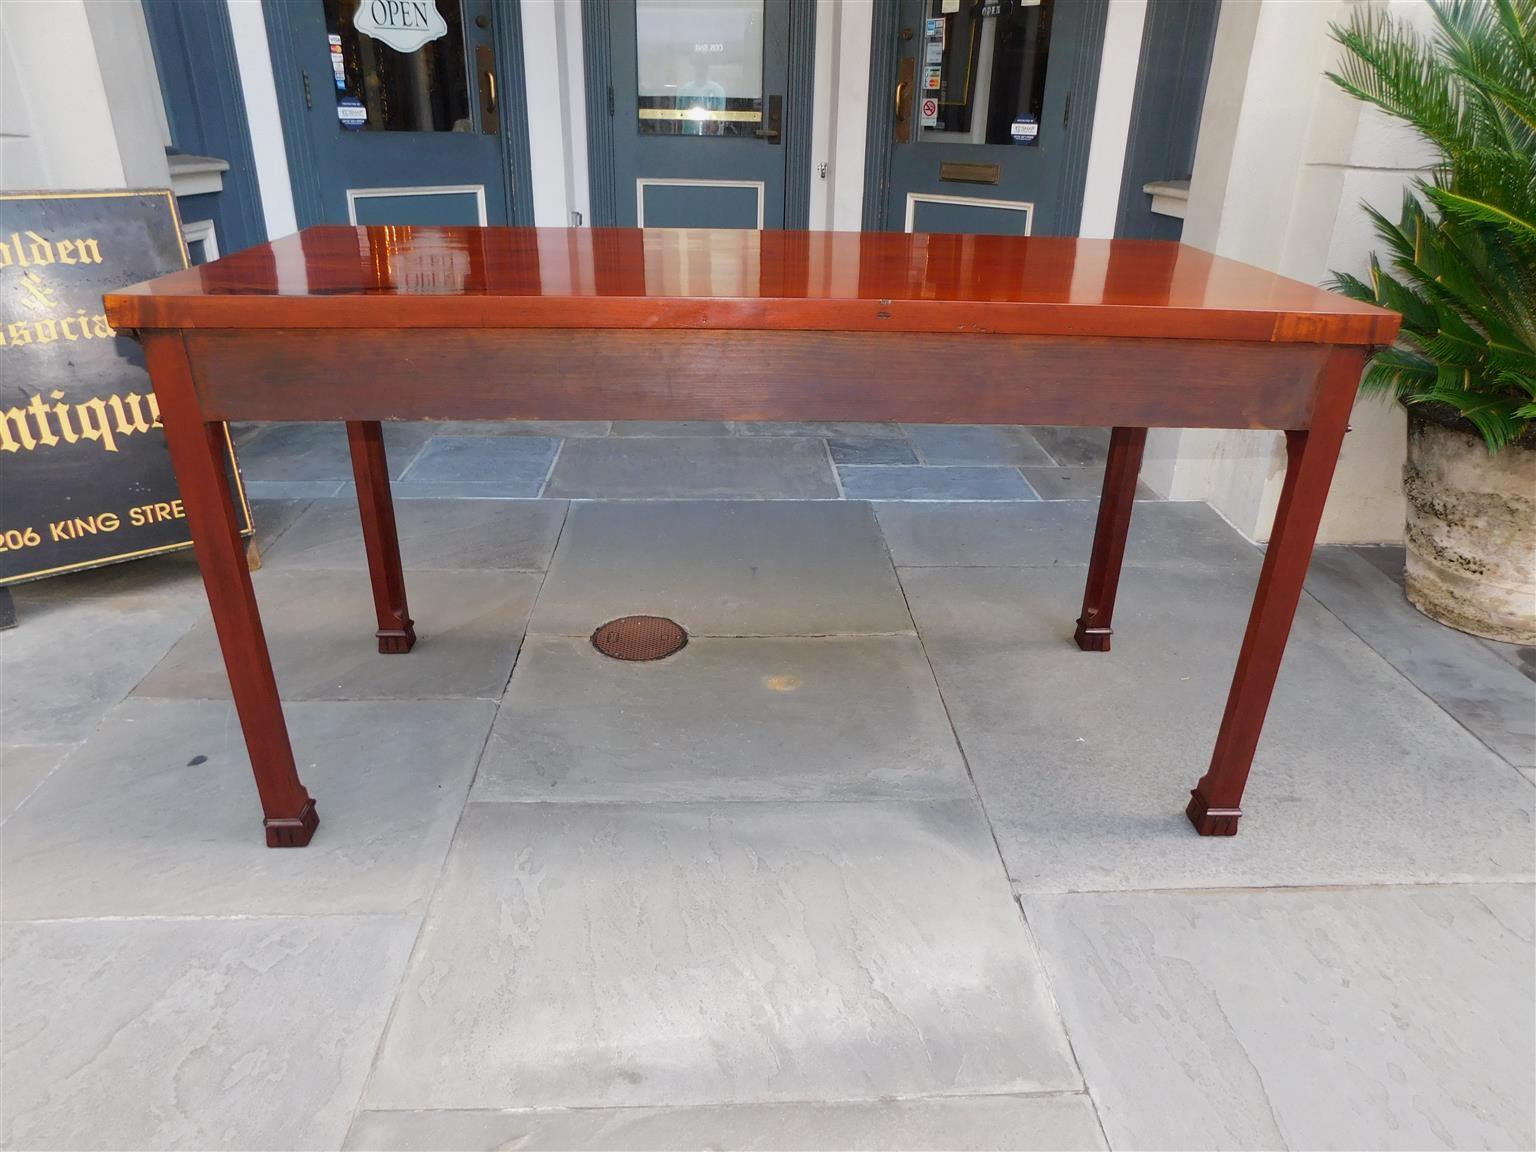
<point>292,831</point>
<point>1210,821</point>
<point>402,640</point>
<point>1092,639</point>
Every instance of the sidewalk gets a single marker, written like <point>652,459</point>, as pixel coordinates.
<point>880,859</point>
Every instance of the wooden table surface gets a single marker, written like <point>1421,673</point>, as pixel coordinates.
<point>408,323</point>
<point>729,278</point>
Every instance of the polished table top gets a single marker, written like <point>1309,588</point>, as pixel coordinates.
<point>434,277</point>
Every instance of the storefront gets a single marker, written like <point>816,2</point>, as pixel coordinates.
<point>1152,118</point>
<point>736,113</point>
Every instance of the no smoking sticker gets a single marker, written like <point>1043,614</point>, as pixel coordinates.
<point>930,111</point>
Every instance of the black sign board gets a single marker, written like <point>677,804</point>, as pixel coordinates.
<point>85,477</point>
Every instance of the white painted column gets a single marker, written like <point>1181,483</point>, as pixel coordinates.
<point>258,85</point>
<point>1282,162</point>
<point>57,127</point>
<point>1112,116</point>
<point>556,110</point>
<point>840,112</point>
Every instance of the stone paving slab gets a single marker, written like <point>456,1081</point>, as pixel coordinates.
<point>23,767</point>
<point>1487,694</point>
<point>320,631</point>
<point>670,428</point>
<point>499,466</point>
<point>72,659</point>
<point>441,534</point>
<point>945,444</point>
<point>687,466</point>
<point>556,428</point>
<point>1397,1018</point>
<point>157,814</point>
<point>1058,483</point>
<point>317,451</point>
<point>1019,1123</point>
<point>768,568</point>
<point>1073,447</point>
<point>1084,760</point>
<point>933,483</point>
<point>827,429</point>
<point>724,719</point>
<point>294,489</point>
<point>645,955</point>
<point>193,1034</point>
<point>1175,535</point>
<point>870,450</point>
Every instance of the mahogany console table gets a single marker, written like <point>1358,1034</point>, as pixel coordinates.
<point>407,323</point>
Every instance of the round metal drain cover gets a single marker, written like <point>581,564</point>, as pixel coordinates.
<point>639,638</point>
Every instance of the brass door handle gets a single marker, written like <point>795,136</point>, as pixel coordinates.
<point>902,88</point>
<point>490,84</point>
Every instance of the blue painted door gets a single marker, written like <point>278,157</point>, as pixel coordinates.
<point>985,116</point>
<point>402,100</point>
<point>697,98</point>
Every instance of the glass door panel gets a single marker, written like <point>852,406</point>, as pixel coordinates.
<point>699,67</point>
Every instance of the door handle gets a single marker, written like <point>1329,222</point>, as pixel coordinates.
<point>771,132</point>
<point>906,81</point>
<point>485,65</point>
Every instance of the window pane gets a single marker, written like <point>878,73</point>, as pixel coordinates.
<point>381,90</point>
<point>986,65</point>
<point>700,66</point>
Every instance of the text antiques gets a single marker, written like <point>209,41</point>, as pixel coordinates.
<point>85,478</point>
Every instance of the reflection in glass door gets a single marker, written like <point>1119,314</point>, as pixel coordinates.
<point>698,112</point>
<point>699,68</point>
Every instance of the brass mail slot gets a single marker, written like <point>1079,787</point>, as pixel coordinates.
<point>969,173</point>
<point>753,117</point>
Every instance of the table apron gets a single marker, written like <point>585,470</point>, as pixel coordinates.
<point>632,374</point>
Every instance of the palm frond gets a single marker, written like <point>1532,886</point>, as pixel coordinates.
<point>1459,262</point>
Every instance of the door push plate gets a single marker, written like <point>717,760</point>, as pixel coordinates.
<point>953,170</point>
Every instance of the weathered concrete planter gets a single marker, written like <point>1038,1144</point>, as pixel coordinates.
<point>1471,529</point>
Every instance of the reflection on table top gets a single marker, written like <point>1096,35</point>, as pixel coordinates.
<point>726,278</point>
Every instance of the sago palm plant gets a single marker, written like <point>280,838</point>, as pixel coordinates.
<point>1460,262</point>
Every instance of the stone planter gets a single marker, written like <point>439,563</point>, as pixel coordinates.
<point>1471,528</point>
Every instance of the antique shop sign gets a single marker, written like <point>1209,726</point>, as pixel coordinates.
<point>85,477</point>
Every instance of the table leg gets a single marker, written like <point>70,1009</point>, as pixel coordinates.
<point>1310,459</point>
<point>1121,472</point>
<point>371,470</point>
<point>197,454</point>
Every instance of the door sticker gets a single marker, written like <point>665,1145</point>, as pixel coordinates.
<point>351,113</point>
<point>338,65</point>
<point>405,25</point>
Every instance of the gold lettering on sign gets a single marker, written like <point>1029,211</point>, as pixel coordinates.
<point>99,419</point>
<point>30,250</point>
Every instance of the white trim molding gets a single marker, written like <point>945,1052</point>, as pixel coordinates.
<point>916,198</point>
<point>201,232</point>
<point>644,182</point>
<point>476,190</point>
